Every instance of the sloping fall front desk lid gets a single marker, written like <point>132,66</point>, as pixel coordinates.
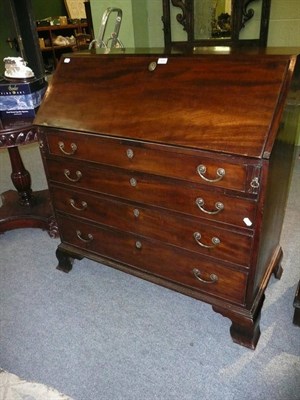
<point>225,103</point>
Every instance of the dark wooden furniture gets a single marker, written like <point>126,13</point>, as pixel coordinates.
<point>296,319</point>
<point>23,208</point>
<point>175,169</point>
<point>218,27</point>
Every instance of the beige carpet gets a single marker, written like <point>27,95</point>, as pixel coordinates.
<point>14,388</point>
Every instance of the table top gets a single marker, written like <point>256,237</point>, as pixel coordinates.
<point>17,132</point>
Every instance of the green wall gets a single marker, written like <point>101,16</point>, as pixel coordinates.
<point>50,8</point>
<point>141,23</point>
<point>6,31</point>
<point>126,34</point>
<point>140,14</point>
<point>155,25</point>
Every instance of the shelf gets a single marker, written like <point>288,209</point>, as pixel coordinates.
<point>48,34</point>
<point>62,27</point>
<point>71,46</point>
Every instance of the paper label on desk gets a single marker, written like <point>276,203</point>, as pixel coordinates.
<point>67,60</point>
<point>247,221</point>
<point>162,61</point>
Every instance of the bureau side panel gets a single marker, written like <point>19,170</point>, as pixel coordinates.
<point>276,182</point>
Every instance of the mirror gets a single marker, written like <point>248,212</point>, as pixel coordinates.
<point>212,19</point>
<point>216,22</point>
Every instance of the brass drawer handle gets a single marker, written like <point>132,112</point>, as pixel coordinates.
<point>219,206</point>
<point>215,241</point>
<point>67,174</point>
<point>197,274</point>
<point>254,183</point>
<point>85,240</point>
<point>201,169</point>
<point>73,204</point>
<point>73,146</point>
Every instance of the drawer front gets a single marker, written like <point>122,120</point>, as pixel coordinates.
<point>171,263</point>
<point>155,160</point>
<point>166,193</point>
<point>189,233</point>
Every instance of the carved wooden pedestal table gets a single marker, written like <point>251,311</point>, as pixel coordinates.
<point>23,208</point>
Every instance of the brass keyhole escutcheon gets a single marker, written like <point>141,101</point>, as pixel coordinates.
<point>138,244</point>
<point>130,153</point>
<point>133,182</point>
<point>152,66</point>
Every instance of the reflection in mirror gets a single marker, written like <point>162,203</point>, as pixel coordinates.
<point>212,19</point>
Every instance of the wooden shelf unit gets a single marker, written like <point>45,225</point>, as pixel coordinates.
<point>51,52</point>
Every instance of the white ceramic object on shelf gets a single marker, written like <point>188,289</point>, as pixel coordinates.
<point>16,68</point>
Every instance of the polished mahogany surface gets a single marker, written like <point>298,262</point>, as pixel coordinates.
<point>228,106</point>
<point>175,168</point>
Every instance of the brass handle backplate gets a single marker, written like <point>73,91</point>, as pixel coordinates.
<point>213,278</point>
<point>73,146</point>
<point>201,169</point>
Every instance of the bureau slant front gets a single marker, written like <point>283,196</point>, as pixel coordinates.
<point>174,168</point>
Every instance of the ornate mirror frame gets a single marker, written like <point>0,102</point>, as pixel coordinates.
<point>241,14</point>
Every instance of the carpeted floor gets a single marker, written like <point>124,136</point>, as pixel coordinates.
<point>99,334</point>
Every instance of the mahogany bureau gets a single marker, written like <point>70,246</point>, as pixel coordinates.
<point>174,168</point>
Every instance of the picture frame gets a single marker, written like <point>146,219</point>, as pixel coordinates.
<point>75,9</point>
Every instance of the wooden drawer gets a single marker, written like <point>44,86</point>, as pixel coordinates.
<point>155,159</point>
<point>168,227</point>
<point>152,190</point>
<point>151,256</point>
